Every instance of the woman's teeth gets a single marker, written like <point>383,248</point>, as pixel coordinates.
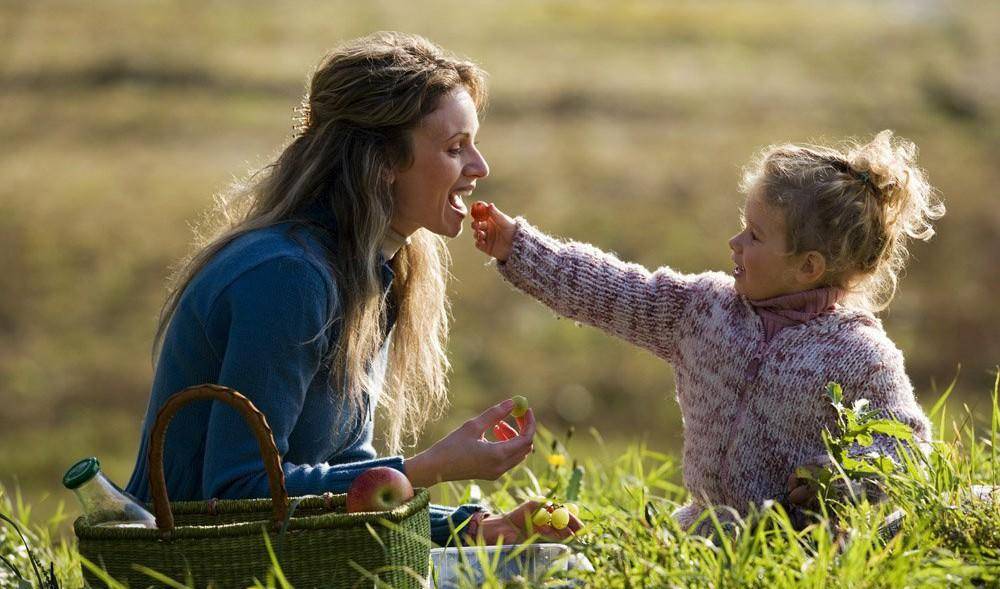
<point>456,201</point>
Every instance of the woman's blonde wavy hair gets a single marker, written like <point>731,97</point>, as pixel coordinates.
<point>364,99</point>
<point>857,205</point>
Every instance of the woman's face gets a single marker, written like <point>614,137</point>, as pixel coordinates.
<point>430,193</point>
<point>763,268</point>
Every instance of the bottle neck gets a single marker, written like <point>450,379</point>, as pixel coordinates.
<point>99,495</point>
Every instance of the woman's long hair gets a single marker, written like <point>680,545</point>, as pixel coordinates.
<point>364,99</point>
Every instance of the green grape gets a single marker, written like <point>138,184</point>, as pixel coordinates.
<point>573,508</point>
<point>520,406</point>
<point>560,518</point>
<point>541,518</point>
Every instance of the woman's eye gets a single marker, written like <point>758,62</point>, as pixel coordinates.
<point>455,150</point>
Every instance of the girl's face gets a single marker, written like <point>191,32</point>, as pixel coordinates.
<point>763,268</point>
<point>446,164</point>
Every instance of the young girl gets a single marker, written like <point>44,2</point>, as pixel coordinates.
<point>823,241</point>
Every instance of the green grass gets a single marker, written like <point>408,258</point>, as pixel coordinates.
<point>630,538</point>
<point>620,123</point>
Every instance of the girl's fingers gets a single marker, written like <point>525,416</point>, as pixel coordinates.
<point>801,495</point>
<point>792,482</point>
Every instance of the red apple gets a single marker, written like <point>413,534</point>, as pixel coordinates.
<point>378,489</point>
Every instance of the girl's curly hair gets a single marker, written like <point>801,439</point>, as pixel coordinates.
<point>857,205</point>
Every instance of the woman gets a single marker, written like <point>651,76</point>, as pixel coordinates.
<point>321,295</point>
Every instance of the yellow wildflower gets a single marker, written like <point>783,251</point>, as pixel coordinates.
<point>557,460</point>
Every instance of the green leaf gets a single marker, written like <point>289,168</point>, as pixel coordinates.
<point>835,392</point>
<point>892,428</point>
<point>884,464</point>
<point>573,488</point>
<point>865,439</point>
<point>804,473</point>
<point>853,466</point>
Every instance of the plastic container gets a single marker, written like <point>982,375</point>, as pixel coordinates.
<point>537,563</point>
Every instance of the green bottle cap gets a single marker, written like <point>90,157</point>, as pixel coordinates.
<point>81,472</point>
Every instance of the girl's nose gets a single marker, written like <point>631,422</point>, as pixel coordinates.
<point>734,242</point>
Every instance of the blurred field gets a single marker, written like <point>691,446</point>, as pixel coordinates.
<point>621,123</point>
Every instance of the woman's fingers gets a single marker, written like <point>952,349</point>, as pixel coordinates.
<point>526,421</point>
<point>503,431</point>
<point>550,533</point>
<point>487,419</point>
<point>574,523</point>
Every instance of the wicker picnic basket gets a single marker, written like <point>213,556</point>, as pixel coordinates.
<point>222,542</point>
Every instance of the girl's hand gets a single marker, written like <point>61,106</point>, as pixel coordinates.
<point>493,231</point>
<point>515,527</point>
<point>466,453</point>
<point>803,492</point>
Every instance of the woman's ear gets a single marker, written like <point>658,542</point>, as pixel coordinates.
<point>812,268</point>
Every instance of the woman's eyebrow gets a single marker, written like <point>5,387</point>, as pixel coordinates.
<point>466,133</point>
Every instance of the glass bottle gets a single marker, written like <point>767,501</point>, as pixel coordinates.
<point>103,502</point>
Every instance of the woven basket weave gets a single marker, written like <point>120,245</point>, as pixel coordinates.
<point>221,542</point>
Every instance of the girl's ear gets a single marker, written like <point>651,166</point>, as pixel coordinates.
<point>812,268</point>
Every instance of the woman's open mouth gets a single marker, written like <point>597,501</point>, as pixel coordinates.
<point>456,202</point>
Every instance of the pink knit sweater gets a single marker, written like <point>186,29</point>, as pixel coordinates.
<point>752,409</point>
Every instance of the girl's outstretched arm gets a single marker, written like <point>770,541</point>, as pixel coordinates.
<point>583,283</point>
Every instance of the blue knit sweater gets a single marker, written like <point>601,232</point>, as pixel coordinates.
<point>255,319</point>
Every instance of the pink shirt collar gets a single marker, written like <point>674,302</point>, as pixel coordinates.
<point>794,309</point>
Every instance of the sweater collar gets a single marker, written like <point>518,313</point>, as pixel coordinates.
<point>392,243</point>
<point>793,309</point>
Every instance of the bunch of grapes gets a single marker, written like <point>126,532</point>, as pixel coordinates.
<point>554,514</point>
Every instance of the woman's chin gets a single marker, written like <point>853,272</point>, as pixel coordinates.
<point>449,230</point>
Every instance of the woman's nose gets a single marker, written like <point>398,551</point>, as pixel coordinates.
<point>477,166</point>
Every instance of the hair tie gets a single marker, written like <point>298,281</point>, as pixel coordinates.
<point>867,180</point>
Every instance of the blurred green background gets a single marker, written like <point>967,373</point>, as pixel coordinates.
<point>622,123</point>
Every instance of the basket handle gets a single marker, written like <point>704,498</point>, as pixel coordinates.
<point>258,424</point>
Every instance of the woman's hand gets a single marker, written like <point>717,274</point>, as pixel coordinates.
<point>466,453</point>
<point>494,235</point>
<point>516,527</point>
